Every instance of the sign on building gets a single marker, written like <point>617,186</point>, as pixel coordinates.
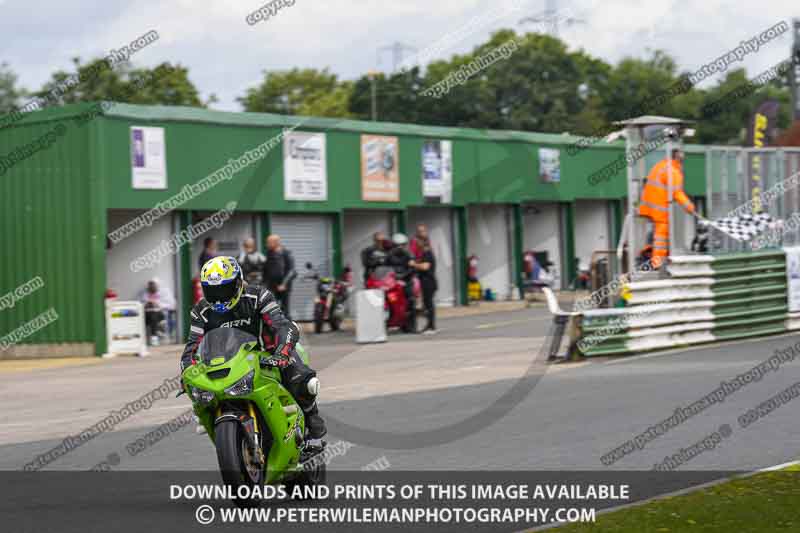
<point>380,175</point>
<point>437,172</point>
<point>148,158</point>
<point>304,172</point>
<point>549,165</point>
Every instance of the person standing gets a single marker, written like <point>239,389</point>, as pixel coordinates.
<point>426,271</point>
<point>209,252</point>
<point>656,201</point>
<point>252,262</point>
<point>279,272</point>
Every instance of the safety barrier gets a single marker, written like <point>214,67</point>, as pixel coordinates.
<point>708,298</point>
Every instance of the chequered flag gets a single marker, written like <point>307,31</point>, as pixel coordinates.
<point>744,227</point>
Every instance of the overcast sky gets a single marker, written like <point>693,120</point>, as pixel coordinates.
<point>225,55</point>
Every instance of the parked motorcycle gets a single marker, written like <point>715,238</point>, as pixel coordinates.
<point>330,299</point>
<point>255,424</point>
<point>399,311</point>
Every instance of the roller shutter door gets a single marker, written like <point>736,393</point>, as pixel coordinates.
<point>309,239</point>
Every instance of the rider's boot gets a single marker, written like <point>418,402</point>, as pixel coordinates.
<point>314,423</point>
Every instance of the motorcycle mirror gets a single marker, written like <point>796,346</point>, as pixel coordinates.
<point>309,265</point>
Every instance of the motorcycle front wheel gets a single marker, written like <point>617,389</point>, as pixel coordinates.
<point>237,464</point>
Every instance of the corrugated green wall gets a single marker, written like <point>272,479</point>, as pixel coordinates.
<point>47,211</point>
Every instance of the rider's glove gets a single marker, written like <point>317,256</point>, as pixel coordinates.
<point>283,355</point>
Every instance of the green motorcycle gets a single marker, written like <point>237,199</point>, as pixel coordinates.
<point>256,425</point>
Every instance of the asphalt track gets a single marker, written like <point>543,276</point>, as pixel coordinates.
<point>415,385</point>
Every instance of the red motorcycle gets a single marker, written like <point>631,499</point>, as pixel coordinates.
<point>330,299</point>
<point>400,313</point>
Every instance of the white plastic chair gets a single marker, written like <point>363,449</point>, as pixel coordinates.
<point>560,320</point>
<point>553,306</point>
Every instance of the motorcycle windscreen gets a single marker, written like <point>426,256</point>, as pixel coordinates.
<point>223,342</point>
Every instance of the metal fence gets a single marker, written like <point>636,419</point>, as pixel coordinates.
<point>752,180</point>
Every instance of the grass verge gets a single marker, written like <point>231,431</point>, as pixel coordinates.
<point>764,503</point>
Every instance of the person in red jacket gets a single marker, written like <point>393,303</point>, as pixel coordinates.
<point>418,243</point>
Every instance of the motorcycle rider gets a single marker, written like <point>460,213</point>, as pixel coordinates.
<point>230,302</point>
<point>404,265</point>
<point>375,255</point>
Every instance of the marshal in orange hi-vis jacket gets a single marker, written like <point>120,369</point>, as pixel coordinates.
<point>655,202</point>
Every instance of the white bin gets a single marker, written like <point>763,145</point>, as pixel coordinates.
<point>370,319</point>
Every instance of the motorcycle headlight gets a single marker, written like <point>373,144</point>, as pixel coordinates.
<point>243,386</point>
<point>201,396</point>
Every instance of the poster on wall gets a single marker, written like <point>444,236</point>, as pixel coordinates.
<point>793,277</point>
<point>148,158</point>
<point>380,175</point>
<point>437,172</point>
<point>304,174</point>
<point>549,165</point>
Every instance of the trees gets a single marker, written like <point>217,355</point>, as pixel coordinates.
<point>299,91</point>
<point>398,97</point>
<point>95,81</point>
<point>726,108</point>
<point>169,85</point>
<point>10,94</point>
<point>537,88</point>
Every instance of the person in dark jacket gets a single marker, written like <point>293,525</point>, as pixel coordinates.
<point>229,302</point>
<point>375,255</point>
<point>426,271</point>
<point>279,272</point>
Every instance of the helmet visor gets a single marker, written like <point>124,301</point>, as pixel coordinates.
<point>221,293</point>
